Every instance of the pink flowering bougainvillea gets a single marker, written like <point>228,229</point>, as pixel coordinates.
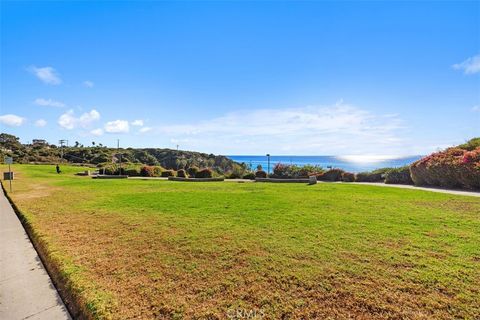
<point>451,168</point>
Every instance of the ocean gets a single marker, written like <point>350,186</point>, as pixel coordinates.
<point>347,163</point>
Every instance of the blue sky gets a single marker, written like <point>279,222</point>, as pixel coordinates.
<point>307,78</point>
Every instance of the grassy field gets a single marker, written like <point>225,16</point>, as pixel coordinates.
<point>159,249</point>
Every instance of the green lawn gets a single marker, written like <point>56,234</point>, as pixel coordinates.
<point>160,249</point>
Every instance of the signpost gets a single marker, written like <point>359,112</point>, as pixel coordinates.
<point>9,161</point>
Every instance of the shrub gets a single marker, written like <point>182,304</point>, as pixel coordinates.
<point>348,177</point>
<point>331,175</point>
<point>451,168</point>
<point>192,171</point>
<point>132,172</point>
<point>111,169</point>
<point>399,176</point>
<point>470,145</point>
<point>168,173</point>
<point>233,175</point>
<point>147,171</point>
<point>236,172</point>
<point>182,173</point>
<point>285,171</point>
<point>369,177</point>
<point>157,171</point>
<point>260,174</point>
<point>250,176</point>
<point>204,173</point>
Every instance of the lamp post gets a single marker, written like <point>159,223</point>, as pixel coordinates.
<point>268,170</point>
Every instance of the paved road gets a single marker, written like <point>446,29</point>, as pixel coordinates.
<point>26,290</point>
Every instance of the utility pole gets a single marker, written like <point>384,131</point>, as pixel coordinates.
<point>62,143</point>
<point>120,157</point>
<point>268,171</point>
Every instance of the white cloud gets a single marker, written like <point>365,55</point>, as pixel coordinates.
<point>137,123</point>
<point>117,126</point>
<point>12,120</point>
<point>339,129</point>
<point>40,123</point>
<point>48,103</point>
<point>97,132</point>
<point>69,121</point>
<point>145,129</point>
<point>469,66</point>
<point>47,75</point>
<point>476,108</point>
<point>88,84</point>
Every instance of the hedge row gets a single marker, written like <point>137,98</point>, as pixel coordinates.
<point>453,168</point>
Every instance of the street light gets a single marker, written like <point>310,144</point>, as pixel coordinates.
<point>268,171</point>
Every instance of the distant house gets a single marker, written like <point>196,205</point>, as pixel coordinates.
<point>39,142</point>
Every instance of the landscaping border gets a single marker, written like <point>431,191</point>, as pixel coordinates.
<point>301,180</point>
<point>104,176</point>
<point>72,301</point>
<point>195,179</point>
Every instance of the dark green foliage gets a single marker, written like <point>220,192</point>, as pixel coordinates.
<point>204,173</point>
<point>182,173</point>
<point>260,174</point>
<point>192,171</point>
<point>168,173</point>
<point>132,172</point>
<point>102,156</point>
<point>289,171</point>
<point>369,177</point>
<point>399,176</point>
<point>348,177</point>
<point>331,175</point>
<point>250,176</point>
<point>471,144</point>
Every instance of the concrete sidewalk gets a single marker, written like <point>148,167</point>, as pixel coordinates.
<point>431,189</point>
<point>26,290</point>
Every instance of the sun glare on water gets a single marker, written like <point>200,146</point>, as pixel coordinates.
<point>367,158</point>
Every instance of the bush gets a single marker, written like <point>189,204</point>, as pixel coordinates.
<point>147,171</point>
<point>399,176</point>
<point>348,177</point>
<point>132,172</point>
<point>451,168</point>
<point>157,171</point>
<point>284,171</point>
<point>192,171</point>
<point>260,174</point>
<point>331,175</point>
<point>369,177</point>
<point>471,145</point>
<point>182,174</point>
<point>168,173</point>
<point>250,176</point>
<point>204,173</point>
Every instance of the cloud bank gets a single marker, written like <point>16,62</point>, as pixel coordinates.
<point>339,129</point>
